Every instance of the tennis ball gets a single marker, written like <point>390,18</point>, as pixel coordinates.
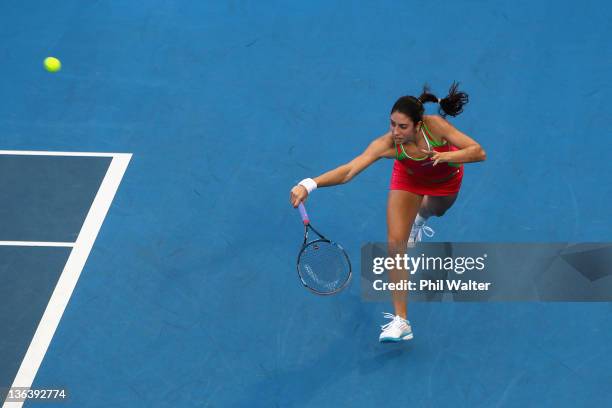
<point>52,64</point>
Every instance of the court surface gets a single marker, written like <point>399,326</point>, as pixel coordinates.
<point>187,294</point>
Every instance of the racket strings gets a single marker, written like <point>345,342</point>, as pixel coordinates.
<point>324,266</point>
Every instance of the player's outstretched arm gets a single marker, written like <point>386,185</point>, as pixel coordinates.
<point>381,147</point>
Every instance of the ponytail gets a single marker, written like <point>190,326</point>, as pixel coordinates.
<point>452,104</point>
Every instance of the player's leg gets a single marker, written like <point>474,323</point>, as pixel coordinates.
<point>431,206</point>
<point>402,208</point>
<point>436,206</point>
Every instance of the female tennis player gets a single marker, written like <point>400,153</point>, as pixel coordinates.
<point>429,154</point>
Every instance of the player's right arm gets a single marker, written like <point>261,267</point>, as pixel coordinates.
<point>381,147</point>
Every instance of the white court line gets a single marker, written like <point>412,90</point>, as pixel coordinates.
<point>45,153</point>
<point>37,244</point>
<point>70,275</point>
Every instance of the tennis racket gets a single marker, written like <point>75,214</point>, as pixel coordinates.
<point>322,265</point>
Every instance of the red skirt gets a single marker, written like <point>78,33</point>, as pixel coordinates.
<point>401,180</point>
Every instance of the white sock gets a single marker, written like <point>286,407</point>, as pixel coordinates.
<point>420,220</point>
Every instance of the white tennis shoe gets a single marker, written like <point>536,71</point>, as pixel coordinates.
<point>397,329</point>
<point>417,232</point>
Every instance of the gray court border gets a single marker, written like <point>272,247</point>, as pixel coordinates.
<point>74,266</point>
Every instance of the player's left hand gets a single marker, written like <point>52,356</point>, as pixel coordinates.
<point>438,157</point>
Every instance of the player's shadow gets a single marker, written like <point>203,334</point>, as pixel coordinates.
<point>357,352</point>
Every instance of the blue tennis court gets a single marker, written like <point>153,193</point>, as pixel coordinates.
<point>153,173</point>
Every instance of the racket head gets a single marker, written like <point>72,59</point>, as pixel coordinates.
<point>324,267</point>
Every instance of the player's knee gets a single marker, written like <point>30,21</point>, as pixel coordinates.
<point>438,212</point>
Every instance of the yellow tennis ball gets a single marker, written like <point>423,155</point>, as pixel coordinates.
<point>52,64</point>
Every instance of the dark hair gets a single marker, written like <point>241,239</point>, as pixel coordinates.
<point>413,107</point>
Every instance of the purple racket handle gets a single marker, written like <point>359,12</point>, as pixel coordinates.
<point>303,214</point>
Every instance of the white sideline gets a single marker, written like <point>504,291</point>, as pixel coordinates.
<point>36,244</point>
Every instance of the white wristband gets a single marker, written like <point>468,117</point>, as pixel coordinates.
<point>309,184</point>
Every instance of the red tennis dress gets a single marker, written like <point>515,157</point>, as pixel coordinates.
<point>419,176</point>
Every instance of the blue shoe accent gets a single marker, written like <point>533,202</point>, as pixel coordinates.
<point>390,340</point>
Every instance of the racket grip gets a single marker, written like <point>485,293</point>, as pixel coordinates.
<point>303,214</point>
